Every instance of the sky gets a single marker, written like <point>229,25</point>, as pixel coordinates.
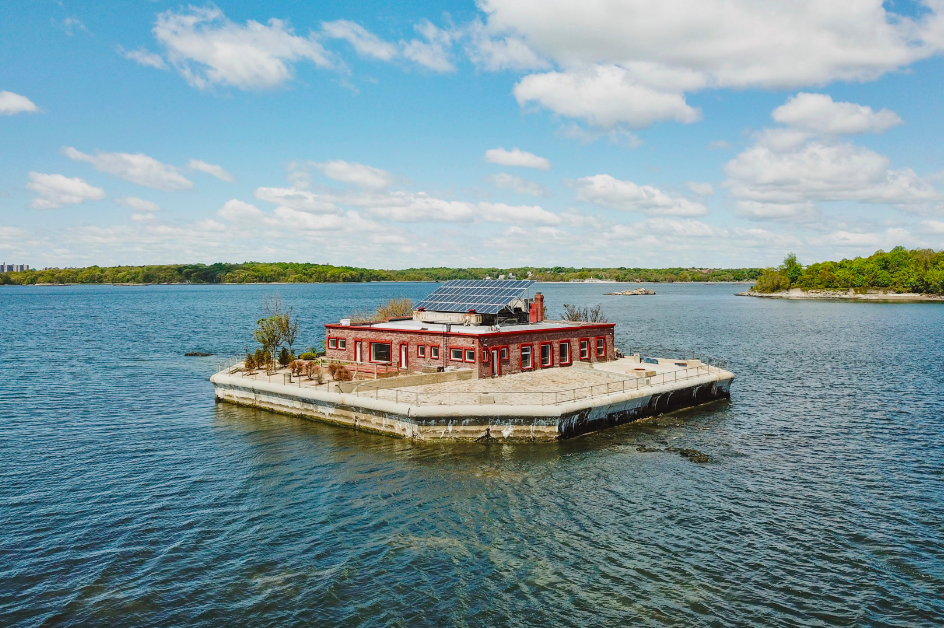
<point>499,133</point>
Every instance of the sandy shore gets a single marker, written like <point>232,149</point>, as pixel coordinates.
<point>846,295</point>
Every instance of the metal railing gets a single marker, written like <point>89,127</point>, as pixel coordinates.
<point>535,397</point>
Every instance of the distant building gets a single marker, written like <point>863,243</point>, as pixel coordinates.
<point>489,326</point>
<point>13,268</point>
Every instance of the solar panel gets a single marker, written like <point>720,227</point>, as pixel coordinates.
<point>488,296</point>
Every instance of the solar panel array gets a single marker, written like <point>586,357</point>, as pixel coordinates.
<point>488,296</point>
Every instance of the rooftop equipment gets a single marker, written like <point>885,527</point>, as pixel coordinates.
<point>482,296</point>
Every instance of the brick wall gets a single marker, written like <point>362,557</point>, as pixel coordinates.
<point>480,343</point>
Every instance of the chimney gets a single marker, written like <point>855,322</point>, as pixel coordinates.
<point>539,306</point>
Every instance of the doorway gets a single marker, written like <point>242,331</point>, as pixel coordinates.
<point>358,357</point>
<point>496,365</point>
<point>404,350</point>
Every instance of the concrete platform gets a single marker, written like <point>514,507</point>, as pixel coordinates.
<point>542,405</point>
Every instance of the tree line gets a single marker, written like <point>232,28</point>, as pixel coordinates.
<point>289,272</point>
<point>899,270</point>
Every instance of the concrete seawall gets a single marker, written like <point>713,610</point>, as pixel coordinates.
<point>469,422</point>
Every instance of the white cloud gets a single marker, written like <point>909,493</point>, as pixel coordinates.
<point>137,168</point>
<point>138,204</point>
<point>519,185</point>
<point>211,169</point>
<point>240,211</point>
<point>604,96</point>
<point>207,49</point>
<point>786,180</point>
<point>364,42</point>
<point>434,52</point>
<point>616,135</point>
<point>300,200</point>
<point>56,190</point>
<point>804,211</point>
<point>495,52</point>
<point>607,191</point>
<point>718,144</point>
<point>516,157</point>
<point>932,226</point>
<point>358,174</point>
<point>420,207</point>
<point>732,43</point>
<point>701,189</point>
<point>11,104</point>
<point>820,114</point>
<point>679,228</point>
<point>517,214</point>
<point>144,57</point>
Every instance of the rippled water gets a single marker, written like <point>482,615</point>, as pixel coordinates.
<point>128,497</point>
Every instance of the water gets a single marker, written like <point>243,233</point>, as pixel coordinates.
<point>128,497</point>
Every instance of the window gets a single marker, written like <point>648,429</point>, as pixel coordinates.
<point>601,347</point>
<point>564,352</point>
<point>434,352</point>
<point>584,349</point>
<point>380,352</point>
<point>504,353</point>
<point>484,354</point>
<point>526,362</point>
<point>342,343</point>
<point>421,351</point>
<point>455,354</point>
<point>470,355</point>
<point>547,354</point>
<point>332,343</point>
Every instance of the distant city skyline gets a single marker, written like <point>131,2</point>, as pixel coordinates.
<point>492,134</point>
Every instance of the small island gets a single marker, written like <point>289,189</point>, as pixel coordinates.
<point>900,275</point>
<point>632,293</point>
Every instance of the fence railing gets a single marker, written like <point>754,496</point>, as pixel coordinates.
<point>519,397</point>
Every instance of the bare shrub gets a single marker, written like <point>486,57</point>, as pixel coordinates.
<point>585,314</point>
<point>342,374</point>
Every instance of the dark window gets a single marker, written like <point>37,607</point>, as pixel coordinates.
<point>547,355</point>
<point>564,352</point>
<point>601,347</point>
<point>332,343</point>
<point>584,349</point>
<point>434,353</point>
<point>526,357</point>
<point>421,351</point>
<point>470,355</point>
<point>504,353</point>
<point>380,352</point>
<point>342,343</point>
<point>455,354</point>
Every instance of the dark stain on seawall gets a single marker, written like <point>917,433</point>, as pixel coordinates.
<point>584,422</point>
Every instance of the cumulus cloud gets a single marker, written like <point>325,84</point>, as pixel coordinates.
<point>818,113</point>
<point>208,49</point>
<point>607,191</point>
<point>238,210</point>
<point>787,179</point>
<point>495,52</point>
<point>517,214</point>
<point>519,185</point>
<point>300,200</point>
<point>138,204</point>
<point>144,57</point>
<point>137,168</point>
<point>604,96</point>
<point>364,42</point>
<point>932,226</point>
<point>211,169</point>
<point>11,104</point>
<point>431,52</point>
<point>516,157</point>
<point>631,61</point>
<point>55,191</point>
<point>357,174</point>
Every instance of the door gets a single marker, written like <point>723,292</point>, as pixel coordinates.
<point>404,349</point>
<point>357,351</point>
<point>496,365</point>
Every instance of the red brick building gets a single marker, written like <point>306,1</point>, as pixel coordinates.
<point>490,334</point>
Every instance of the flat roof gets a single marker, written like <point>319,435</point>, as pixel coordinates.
<point>459,329</point>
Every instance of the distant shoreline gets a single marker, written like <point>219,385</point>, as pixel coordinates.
<point>847,295</point>
<point>331,283</point>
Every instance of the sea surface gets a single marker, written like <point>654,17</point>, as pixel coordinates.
<point>129,498</point>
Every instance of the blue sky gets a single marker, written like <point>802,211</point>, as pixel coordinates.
<point>498,133</point>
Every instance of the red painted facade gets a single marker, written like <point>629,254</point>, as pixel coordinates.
<point>412,349</point>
